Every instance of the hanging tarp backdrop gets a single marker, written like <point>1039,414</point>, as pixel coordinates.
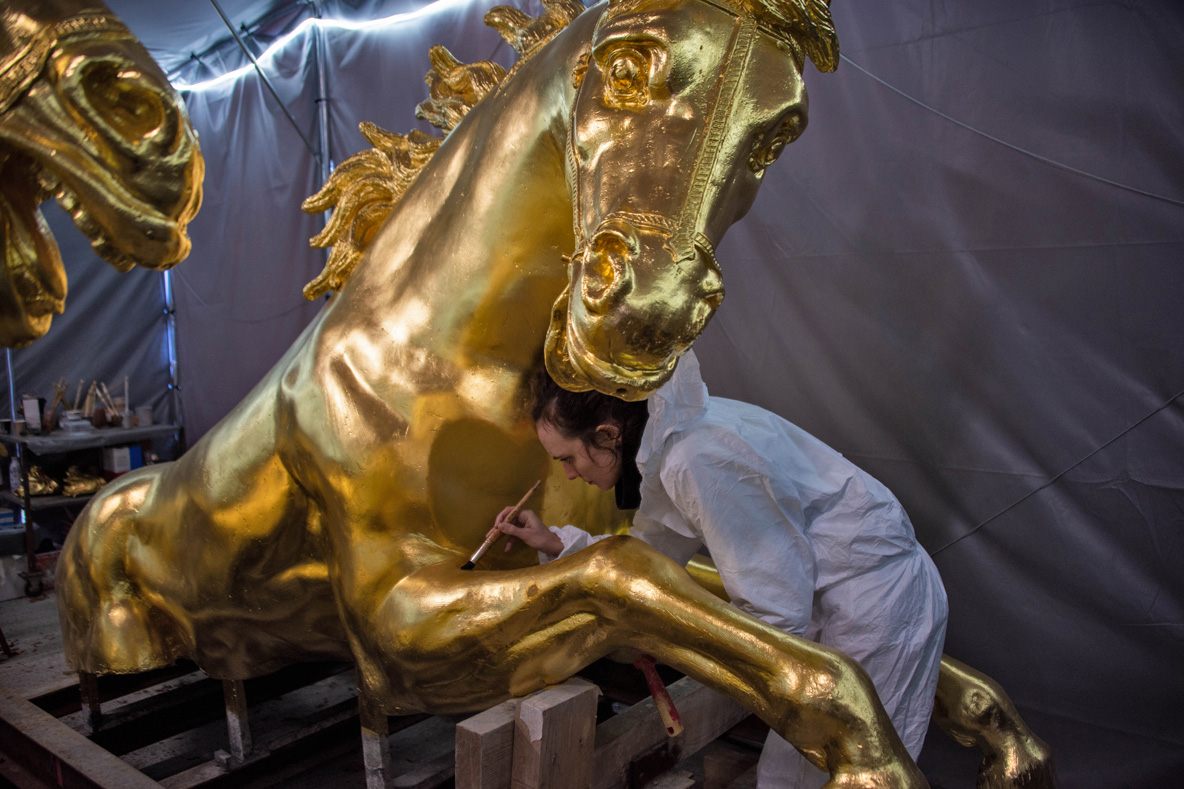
<point>966,276</point>
<point>115,327</point>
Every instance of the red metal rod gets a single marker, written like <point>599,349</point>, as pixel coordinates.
<point>662,699</point>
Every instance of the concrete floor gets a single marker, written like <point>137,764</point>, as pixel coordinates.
<point>31,627</point>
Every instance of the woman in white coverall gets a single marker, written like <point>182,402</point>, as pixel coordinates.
<point>803,539</point>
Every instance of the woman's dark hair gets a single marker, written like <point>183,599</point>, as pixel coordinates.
<point>578,414</point>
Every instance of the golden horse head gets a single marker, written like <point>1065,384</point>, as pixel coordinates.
<point>88,118</point>
<point>671,132</point>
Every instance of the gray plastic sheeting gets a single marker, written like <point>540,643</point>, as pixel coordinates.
<point>966,276</point>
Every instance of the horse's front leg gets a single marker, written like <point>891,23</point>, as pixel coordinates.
<point>974,710</point>
<point>461,639</point>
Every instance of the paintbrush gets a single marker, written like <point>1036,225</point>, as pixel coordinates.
<point>88,407</point>
<point>108,401</point>
<point>59,396</point>
<point>495,533</point>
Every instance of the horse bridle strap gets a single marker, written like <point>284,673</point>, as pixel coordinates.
<point>734,64</point>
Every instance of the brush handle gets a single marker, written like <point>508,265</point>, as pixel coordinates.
<point>485,546</point>
<point>495,533</point>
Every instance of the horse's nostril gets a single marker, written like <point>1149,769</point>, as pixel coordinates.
<point>613,244</point>
<point>608,271</point>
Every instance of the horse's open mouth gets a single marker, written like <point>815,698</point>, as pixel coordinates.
<point>574,366</point>
<point>166,235</point>
<point>32,263</point>
<point>125,229</point>
<point>628,383</point>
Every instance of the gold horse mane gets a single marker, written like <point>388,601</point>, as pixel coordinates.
<point>366,187</point>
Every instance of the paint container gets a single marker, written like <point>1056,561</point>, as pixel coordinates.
<point>72,422</point>
<point>144,416</point>
<point>32,405</point>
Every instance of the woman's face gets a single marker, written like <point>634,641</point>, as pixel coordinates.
<point>596,466</point>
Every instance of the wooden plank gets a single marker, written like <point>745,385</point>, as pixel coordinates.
<point>301,746</point>
<point>429,775</point>
<point>746,780</point>
<point>554,737</point>
<point>12,774</point>
<point>485,748</point>
<point>724,761</point>
<point>629,737</point>
<point>65,700</point>
<point>144,716</point>
<point>47,746</point>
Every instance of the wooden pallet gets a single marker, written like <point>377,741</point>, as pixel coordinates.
<point>188,730</point>
<point>551,739</point>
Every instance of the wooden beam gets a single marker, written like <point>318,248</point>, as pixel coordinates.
<point>432,773</point>
<point>725,761</point>
<point>554,737</point>
<point>629,738</point>
<point>485,748</point>
<point>746,780</point>
<point>315,739</point>
<point>46,746</point>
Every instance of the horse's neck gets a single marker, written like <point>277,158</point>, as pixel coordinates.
<point>486,222</point>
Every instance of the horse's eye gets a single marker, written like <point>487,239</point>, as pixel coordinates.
<point>626,75</point>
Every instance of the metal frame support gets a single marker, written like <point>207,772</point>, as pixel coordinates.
<point>88,689</point>
<point>376,752</point>
<point>238,728</point>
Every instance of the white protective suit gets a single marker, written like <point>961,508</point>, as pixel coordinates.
<point>803,540</point>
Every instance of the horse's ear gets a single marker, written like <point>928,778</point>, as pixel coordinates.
<point>808,24</point>
<point>821,44</point>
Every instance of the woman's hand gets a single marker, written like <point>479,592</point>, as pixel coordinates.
<point>528,528</point>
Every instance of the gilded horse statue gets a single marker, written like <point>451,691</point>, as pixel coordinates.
<point>86,117</point>
<point>328,515</point>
